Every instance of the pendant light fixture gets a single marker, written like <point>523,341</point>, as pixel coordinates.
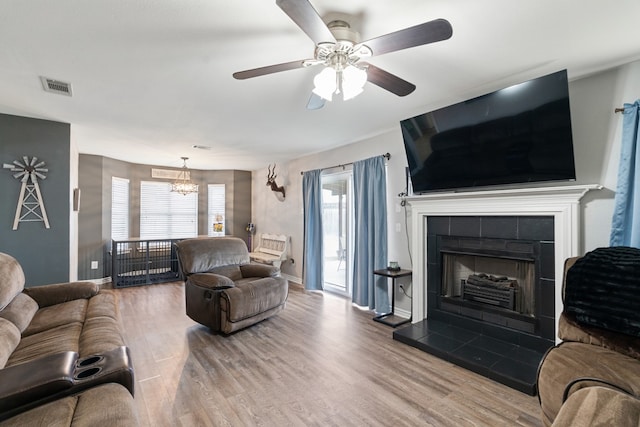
<point>183,184</point>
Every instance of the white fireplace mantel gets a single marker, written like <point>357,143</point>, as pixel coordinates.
<point>561,202</point>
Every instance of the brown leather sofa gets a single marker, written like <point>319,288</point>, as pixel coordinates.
<point>223,289</point>
<point>63,360</point>
<point>593,376</point>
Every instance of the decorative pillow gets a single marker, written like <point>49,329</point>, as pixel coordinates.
<point>603,289</point>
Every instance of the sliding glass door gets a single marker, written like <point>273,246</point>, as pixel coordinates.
<point>337,223</point>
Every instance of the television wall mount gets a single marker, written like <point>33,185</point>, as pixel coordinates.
<point>30,206</point>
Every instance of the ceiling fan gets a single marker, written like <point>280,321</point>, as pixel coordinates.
<point>342,54</point>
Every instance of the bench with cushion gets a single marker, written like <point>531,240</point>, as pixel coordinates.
<point>272,249</point>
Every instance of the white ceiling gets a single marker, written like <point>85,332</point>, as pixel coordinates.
<point>152,78</point>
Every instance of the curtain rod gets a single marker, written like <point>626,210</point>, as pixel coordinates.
<point>385,155</point>
<point>619,110</point>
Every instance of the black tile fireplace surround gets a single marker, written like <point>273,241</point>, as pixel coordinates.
<point>495,342</point>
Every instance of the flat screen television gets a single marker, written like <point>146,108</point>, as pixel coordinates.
<point>519,134</point>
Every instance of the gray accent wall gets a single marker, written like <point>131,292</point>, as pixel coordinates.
<point>43,253</point>
<point>94,218</point>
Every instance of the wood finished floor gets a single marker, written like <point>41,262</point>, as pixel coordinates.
<point>320,362</point>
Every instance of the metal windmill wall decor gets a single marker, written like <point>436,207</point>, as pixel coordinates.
<point>30,204</point>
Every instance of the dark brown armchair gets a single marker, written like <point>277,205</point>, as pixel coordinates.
<point>223,290</point>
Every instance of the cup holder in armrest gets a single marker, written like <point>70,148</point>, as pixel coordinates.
<point>86,373</point>
<point>91,360</point>
<point>110,366</point>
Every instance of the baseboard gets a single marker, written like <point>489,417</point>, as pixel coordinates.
<point>402,313</point>
<point>296,280</point>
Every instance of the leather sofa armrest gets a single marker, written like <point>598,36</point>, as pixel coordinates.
<point>24,384</point>
<point>58,293</point>
<point>210,281</point>
<point>259,270</point>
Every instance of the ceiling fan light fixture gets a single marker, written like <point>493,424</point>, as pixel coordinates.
<point>353,80</point>
<point>326,83</point>
<point>350,82</point>
<point>183,184</point>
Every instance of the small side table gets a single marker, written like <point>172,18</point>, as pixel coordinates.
<point>391,319</point>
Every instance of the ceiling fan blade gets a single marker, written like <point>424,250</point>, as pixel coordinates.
<point>315,102</point>
<point>429,32</point>
<point>305,16</point>
<point>388,81</point>
<point>269,69</point>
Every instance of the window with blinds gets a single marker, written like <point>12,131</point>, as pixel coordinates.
<point>119,208</point>
<point>215,217</point>
<point>167,215</point>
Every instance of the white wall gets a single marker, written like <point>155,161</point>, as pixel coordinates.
<point>596,132</point>
<point>286,217</point>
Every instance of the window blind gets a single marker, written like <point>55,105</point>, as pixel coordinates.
<point>119,208</point>
<point>216,206</point>
<point>167,215</point>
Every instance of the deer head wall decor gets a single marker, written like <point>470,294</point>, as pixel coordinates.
<point>271,181</point>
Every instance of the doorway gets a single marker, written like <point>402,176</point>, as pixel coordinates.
<point>337,224</point>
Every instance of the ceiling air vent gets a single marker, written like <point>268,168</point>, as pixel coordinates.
<point>56,86</point>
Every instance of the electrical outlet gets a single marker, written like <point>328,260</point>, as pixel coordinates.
<point>94,265</point>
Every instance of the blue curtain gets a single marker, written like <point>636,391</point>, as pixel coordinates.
<point>313,250</point>
<point>370,249</point>
<point>625,228</point>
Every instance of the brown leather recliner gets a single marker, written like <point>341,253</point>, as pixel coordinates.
<point>223,289</point>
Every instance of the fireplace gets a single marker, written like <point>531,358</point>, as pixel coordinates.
<point>493,272</point>
<point>487,276</point>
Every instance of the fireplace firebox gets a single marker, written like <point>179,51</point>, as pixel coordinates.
<point>482,279</point>
<point>475,283</point>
